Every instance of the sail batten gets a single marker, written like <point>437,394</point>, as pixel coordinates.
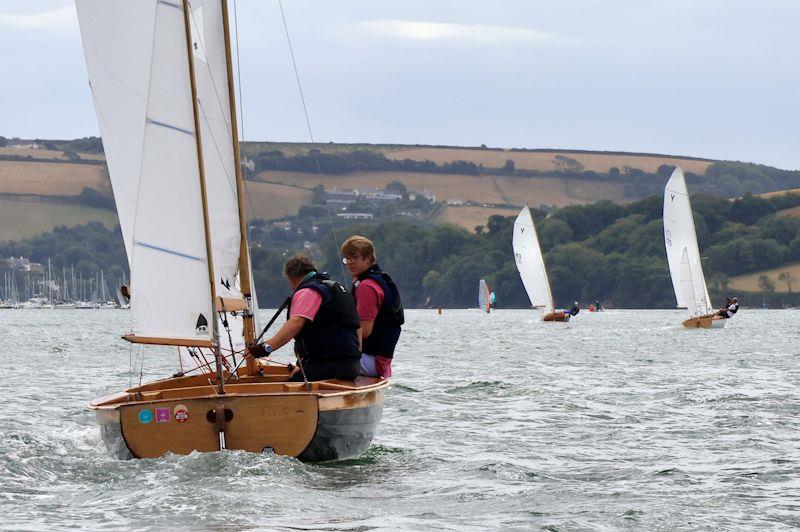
<point>530,262</point>
<point>683,254</point>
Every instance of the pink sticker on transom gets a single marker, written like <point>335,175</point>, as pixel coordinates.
<point>162,415</point>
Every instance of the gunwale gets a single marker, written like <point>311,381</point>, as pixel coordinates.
<point>321,389</point>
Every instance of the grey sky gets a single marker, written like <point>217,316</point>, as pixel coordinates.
<point>709,78</point>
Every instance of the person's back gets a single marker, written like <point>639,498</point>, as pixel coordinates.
<point>327,345</point>
<point>573,311</point>
<point>733,308</point>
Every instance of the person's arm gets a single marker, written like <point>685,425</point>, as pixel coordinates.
<point>366,328</point>
<point>289,330</point>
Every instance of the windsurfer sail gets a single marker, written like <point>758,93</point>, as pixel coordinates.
<point>484,299</point>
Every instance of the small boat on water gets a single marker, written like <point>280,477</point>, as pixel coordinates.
<point>683,256</point>
<point>162,82</point>
<point>530,263</point>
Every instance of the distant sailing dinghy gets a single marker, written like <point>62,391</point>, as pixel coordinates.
<point>530,263</point>
<point>484,297</point>
<point>683,255</point>
<point>162,82</point>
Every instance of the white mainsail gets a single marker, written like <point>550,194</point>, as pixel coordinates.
<point>530,262</point>
<point>683,255</point>
<point>142,93</point>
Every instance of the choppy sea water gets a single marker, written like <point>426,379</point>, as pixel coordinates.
<point>621,419</point>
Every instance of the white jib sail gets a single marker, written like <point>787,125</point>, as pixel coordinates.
<point>683,255</point>
<point>483,296</point>
<point>170,291</point>
<point>530,262</point>
<point>211,76</point>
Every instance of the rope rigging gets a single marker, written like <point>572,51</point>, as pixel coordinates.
<point>311,136</point>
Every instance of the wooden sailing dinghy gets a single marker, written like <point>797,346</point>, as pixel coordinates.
<point>683,256</point>
<point>162,84</point>
<point>530,263</point>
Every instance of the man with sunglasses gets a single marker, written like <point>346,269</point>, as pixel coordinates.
<point>379,306</point>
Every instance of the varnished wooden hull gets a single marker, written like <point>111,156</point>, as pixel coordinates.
<point>711,321</point>
<point>334,420</point>
<point>556,316</point>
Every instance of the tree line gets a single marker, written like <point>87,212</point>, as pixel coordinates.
<point>614,253</point>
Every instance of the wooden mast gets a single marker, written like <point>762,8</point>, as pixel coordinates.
<point>244,260</point>
<point>204,199</point>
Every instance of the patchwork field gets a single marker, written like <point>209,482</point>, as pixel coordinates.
<point>543,161</point>
<point>49,179</point>
<point>468,217</point>
<point>283,193</point>
<point>45,154</point>
<point>479,189</point>
<point>268,200</point>
<point>780,193</point>
<point>793,211</point>
<point>749,282</point>
<point>23,219</point>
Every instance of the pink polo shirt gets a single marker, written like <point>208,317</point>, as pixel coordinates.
<point>305,303</point>
<point>369,296</point>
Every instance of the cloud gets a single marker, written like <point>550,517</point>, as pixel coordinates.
<point>421,30</point>
<point>64,18</point>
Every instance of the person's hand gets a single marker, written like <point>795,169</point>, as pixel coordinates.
<point>260,350</point>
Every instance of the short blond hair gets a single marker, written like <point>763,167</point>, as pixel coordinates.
<point>358,246</point>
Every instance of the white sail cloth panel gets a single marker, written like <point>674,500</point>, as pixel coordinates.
<point>211,77</point>
<point>530,262</point>
<point>167,254</point>
<point>118,46</point>
<point>683,255</point>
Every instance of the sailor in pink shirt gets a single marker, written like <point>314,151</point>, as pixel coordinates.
<point>379,307</point>
<point>322,321</point>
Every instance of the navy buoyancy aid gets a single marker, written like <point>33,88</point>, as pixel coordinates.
<point>386,329</point>
<point>333,333</point>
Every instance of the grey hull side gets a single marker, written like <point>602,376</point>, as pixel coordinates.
<point>111,432</point>
<point>342,434</point>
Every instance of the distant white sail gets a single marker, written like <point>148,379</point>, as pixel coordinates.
<point>683,255</point>
<point>530,262</point>
<point>483,296</point>
<point>153,164</point>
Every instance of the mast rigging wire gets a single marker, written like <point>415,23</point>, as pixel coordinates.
<point>311,135</point>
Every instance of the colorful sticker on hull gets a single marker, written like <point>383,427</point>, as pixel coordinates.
<point>145,416</point>
<point>181,413</point>
<point>163,415</point>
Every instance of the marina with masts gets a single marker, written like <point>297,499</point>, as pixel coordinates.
<point>30,285</point>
